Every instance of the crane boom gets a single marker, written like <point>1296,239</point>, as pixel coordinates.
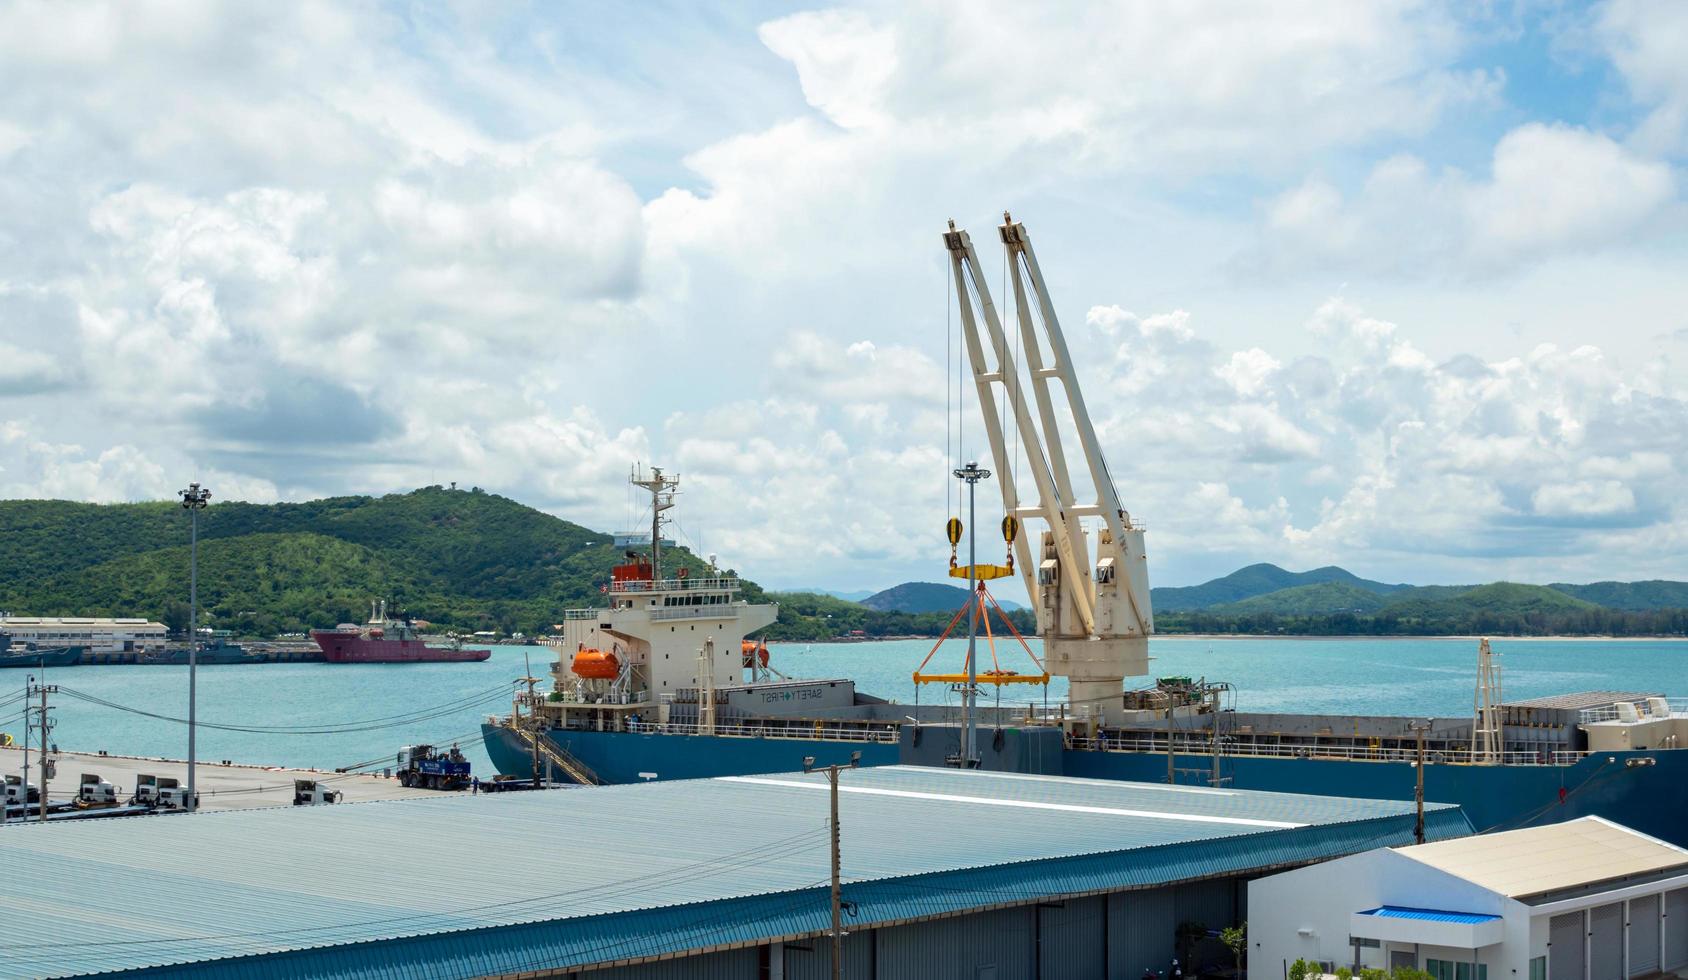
<point>1094,619</point>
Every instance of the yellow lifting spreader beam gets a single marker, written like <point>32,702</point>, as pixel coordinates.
<point>988,677</point>
<point>997,675</point>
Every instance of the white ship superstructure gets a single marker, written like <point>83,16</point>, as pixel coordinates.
<point>667,650</point>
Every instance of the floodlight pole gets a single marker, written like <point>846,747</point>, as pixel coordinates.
<point>1419,727</point>
<point>971,474</point>
<point>837,888</point>
<point>194,499</point>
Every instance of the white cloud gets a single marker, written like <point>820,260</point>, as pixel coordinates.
<point>1646,41</point>
<point>304,249</point>
<point>915,104</point>
<point>32,468</point>
<point>844,62</point>
<point>26,371</point>
<point>1550,190</point>
<point>1248,370</point>
<point>1585,498</point>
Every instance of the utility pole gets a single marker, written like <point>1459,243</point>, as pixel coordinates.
<point>28,685</point>
<point>46,726</point>
<point>533,714</point>
<point>1419,727</point>
<point>971,474</point>
<point>1171,775</point>
<point>837,889</point>
<point>194,499</point>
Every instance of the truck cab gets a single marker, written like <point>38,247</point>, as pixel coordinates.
<point>18,792</point>
<point>95,791</point>
<point>172,795</point>
<point>309,792</point>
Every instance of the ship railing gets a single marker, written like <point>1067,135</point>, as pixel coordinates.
<point>674,584</point>
<point>822,732</point>
<point>1362,753</point>
<point>1644,710</point>
<point>722,611</point>
<point>581,613</point>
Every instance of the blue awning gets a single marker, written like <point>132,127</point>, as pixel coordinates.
<point>1429,915</point>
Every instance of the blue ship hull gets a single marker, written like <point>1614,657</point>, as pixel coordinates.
<point>1650,797</point>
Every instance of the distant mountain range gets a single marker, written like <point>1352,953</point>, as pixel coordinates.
<point>922,597</point>
<point>856,596</point>
<point>1268,589</point>
<point>475,560</point>
<point>1263,579</point>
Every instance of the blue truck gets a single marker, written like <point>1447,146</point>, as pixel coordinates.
<point>426,767</point>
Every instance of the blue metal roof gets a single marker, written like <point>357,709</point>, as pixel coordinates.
<point>1429,915</point>
<point>461,885</point>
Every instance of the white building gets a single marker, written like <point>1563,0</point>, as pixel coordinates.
<point>1582,900</point>
<point>97,635</point>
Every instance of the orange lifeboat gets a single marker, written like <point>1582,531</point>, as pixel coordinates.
<point>753,652</point>
<point>596,665</point>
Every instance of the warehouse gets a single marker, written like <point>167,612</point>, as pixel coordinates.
<point>946,874</point>
<point>1582,899</point>
<point>93,633</point>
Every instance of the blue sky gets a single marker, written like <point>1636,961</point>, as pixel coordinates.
<point>1394,285</point>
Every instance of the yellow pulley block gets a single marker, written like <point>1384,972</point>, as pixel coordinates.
<point>981,572</point>
<point>1010,528</point>
<point>953,527</point>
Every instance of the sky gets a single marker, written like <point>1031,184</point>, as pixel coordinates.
<point>1392,285</point>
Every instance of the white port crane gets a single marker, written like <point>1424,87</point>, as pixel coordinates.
<point>1094,619</point>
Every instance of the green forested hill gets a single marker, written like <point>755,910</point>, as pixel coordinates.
<point>1499,608</point>
<point>467,559</point>
<point>924,597</point>
<point>1303,600</point>
<point>1257,580</point>
<point>1651,594</point>
<point>1496,597</point>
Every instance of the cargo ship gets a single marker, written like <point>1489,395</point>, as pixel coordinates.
<point>658,683</point>
<point>387,641</point>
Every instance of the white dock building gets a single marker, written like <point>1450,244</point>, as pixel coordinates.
<point>98,635</point>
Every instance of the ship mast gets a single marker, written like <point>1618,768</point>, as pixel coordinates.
<point>1487,733</point>
<point>662,490</point>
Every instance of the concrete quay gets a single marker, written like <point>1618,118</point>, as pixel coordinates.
<point>231,787</point>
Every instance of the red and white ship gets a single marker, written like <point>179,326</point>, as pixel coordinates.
<point>386,641</point>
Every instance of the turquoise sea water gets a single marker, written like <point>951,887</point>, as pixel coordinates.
<point>1397,676</point>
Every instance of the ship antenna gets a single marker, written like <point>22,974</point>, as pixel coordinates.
<point>662,490</point>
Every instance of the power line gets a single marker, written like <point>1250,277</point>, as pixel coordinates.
<point>416,716</point>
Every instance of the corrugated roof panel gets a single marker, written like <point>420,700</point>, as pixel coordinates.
<point>616,872</point>
<point>1429,915</point>
<point>1535,860</point>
